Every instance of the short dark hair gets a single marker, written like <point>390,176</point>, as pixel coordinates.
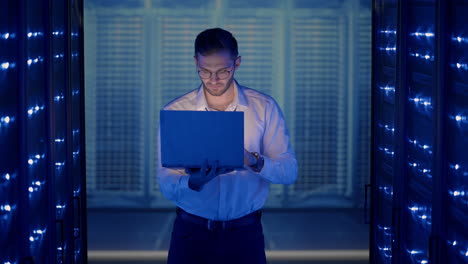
<point>215,40</point>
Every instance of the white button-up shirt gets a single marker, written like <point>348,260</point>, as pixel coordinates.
<point>239,192</point>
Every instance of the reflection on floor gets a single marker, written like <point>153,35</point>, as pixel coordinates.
<point>310,229</point>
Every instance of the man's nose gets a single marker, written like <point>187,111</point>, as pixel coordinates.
<point>214,76</point>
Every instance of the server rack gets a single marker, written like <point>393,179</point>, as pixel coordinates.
<point>420,103</point>
<point>42,179</point>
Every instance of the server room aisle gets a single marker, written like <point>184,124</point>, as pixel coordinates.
<point>317,229</point>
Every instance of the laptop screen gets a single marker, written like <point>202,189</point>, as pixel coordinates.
<point>188,138</point>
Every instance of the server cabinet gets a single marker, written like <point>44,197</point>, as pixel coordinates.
<point>42,180</point>
<point>383,127</point>
<point>419,183</point>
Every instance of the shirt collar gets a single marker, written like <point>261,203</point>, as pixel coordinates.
<point>239,98</point>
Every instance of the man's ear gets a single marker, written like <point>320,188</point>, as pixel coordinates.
<point>238,61</point>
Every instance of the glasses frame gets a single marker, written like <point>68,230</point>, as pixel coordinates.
<point>216,73</point>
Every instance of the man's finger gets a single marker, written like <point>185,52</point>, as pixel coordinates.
<point>203,168</point>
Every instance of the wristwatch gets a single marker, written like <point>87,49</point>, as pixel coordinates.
<point>257,167</point>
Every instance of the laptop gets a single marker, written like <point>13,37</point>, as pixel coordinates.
<point>188,138</point>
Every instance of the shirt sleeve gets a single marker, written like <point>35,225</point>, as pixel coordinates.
<point>171,181</point>
<point>280,165</point>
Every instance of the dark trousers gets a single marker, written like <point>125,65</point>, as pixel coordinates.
<point>195,244</point>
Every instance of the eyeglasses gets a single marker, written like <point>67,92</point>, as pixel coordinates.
<point>221,74</point>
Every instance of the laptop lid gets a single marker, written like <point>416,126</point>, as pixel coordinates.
<point>188,138</point>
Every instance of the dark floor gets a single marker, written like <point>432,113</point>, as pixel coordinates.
<point>318,229</point>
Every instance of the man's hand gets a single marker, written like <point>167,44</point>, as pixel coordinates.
<point>199,177</point>
<point>249,158</point>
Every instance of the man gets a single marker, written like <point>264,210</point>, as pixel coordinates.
<point>218,212</point>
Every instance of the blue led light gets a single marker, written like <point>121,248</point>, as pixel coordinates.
<point>423,34</point>
<point>6,120</point>
<point>35,109</point>
<point>457,193</point>
<point>387,151</point>
<point>387,128</point>
<point>419,145</point>
<point>6,35</point>
<point>35,34</point>
<point>59,56</point>
<point>387,88</point>
<point>425,56</point>
<point>34,159</point>
<point>388,31</point>
<point>59,98</point>
<point>460,39</point>
<point>57,33</point>
<point>460,66</point>
<point>6,176</point>
<point>7,65</point>
<point>37,235</point>
<point>418,101</point>
<point>5,208</point>
<point>32,61</point>
<point>59,140</point>
<point>392,48</point>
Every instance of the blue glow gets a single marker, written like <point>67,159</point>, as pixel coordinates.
<point>59,140</point>
<point>59,164</point>
<point>35,34</point>
<point>388,31</point>
<point>387,88</point>
<point>35,109</point>
<point>423,34</point>
<point>59,56</point>
<point>457,193</point>
<point>425,56</point>
<point>459,65</point>
<point>424,147</point>
<point>59,98</point>
<point>421,101</point>
<point>34,159</point>
<point>6,35</point>
<point>37,235</point>
<point>6,120</point>
<point>386,190</point>
<point>31,61</point>
<point>460,39</point>
<point>389,48</point>
<point>387,151</point>
<point>7,65</point>
<point>57,33</point>
<point>5,208</point>
<point>387,128</point>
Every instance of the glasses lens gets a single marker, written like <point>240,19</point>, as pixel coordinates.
<point>204,74</point>
<point>223,74</point>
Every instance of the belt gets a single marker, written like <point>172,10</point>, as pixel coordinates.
<point>249,219</point>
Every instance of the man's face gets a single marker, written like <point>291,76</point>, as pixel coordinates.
<point>220,67</point>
